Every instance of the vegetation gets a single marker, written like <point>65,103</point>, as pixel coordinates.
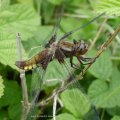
<point>35,20</point>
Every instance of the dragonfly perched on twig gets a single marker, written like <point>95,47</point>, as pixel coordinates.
<point>58,49</point>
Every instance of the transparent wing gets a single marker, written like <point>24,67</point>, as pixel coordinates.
<point>38,76</point>
<point>56,28</point>
<point>76,97</point>
<point>36,86</point>
<point>51,37</point>
<point>36,82</point>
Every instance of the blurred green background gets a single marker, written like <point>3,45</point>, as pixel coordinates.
<point>35,20</point>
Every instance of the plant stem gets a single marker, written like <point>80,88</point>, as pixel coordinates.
<point>25,101</point>
<point>54,106</point>
<point>98,33</point>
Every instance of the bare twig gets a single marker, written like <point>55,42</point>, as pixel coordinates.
<point>80,76</point>
<point>60,102</point>
<point>25,101</point>
<point>54,106</point>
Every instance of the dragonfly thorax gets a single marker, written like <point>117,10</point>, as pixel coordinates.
<point>53,47</point>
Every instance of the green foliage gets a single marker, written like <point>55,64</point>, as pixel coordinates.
<point>66,116</point>
<point>12,98</point>
<point>111,7</point>
<point>102,68</point>
<point>106,94</point>
<point>76,108</point>
<point>15,111</point>
<point>116,118</point>
<point>11,89</point>
<point>15,18</point>
<point>35,20</point>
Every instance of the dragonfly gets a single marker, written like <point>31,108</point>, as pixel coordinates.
<point>60,50</point>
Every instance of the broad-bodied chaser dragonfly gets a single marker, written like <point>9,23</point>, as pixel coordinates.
<point>58,49</point>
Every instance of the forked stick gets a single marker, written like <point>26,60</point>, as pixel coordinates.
<point>25,101</point>
<point>80,76</point>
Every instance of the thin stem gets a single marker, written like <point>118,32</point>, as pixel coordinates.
<point>60,102</point>
<point>115,58</point>
<point>98,33</point>
<point>111,30</point>
<point>54,106</point>
<point>23,81</point>
<point>76,15</point>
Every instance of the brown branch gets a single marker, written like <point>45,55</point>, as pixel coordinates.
<point>25,101</point>
<point>80,76</point>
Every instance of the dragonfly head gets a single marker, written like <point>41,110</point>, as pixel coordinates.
<point>82,47</point>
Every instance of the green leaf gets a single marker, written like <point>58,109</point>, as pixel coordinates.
<point>22,18</point>
<point>67,26</point>
<point>106,94</point>
<point>111,7</point>
<point>12,93</point>
<point>15,18</point>
<point>1,87</point>
<point>114,111</point>
<point>75,102</point>
<point>54,73</point>
<point>102,68</point>
<point>26,1</point>
<point>4,4</point>
<point>48,11</point>
<point>8,49</point>
<point>15,111</point>
<point>56,2</point>
<point>66,116</point>
<point>3,115</point>
<point>37,42</point>
<point>116,118</point>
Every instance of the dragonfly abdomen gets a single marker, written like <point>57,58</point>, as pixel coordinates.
<point>41,59</point>
<point>26,65</point>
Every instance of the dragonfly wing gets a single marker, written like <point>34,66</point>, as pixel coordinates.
<point>36,86</point>
<point>56,28</point>
<point>36,82</point>
<point>77,97</point>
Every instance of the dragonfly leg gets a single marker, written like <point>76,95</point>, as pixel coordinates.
<point>74,41</point>
<point>72,64</point>
<point>88,60</point>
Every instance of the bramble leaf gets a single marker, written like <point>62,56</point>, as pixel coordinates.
<point>106,94</point>
<point>75,102</point>
<point>15,18</point>
<point>102,68</point>
<point>66,116</point>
